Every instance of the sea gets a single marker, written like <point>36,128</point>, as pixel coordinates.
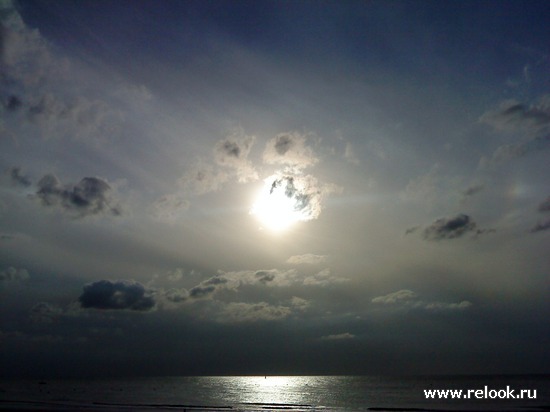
<point>280,393</point>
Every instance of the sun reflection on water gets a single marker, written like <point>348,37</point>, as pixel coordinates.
<point>271,390</point>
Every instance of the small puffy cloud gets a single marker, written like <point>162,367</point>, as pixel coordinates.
<point>14,274</point>
<point>88,197</point>
<point>289,149</point>
<point>409,300</point>
<point>116,295</point>
<point>307,259</point>
<point>323,278</point>
<point>395,297</point>
<point>339,337</point>
<point>233,152</point>
<point>233,280</point>
<point>449,228</point>
<point>239,312</point>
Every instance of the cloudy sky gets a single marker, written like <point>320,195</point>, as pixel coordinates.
<point>205,187</point>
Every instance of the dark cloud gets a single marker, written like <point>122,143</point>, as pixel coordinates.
<point>484,231</point>
<point>199,292</point>
<point>230,149</point>
<point>18,178</point>
<point>545,205</point>
<point>449,228</point>
<point>13,103</point>
<point>88,197</point>
<point>119,294</point>
<point>216,280</point>
<point>44,312</point>
<point>233,149</point>
<point>208,287</point>
<point>290,149</point>
<point>472,190</point>
<point>264,277</point>
<point>541,226</point>
<point>283,143</point>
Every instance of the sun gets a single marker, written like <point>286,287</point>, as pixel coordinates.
<point>279,204</point>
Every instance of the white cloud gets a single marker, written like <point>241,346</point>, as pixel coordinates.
<point>409,300</point>
<point>238,312</point>
<point>395,297</point>
<point>307,259</point>
<point>323,278</point>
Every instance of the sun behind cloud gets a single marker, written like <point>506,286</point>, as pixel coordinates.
<point>276,208</point>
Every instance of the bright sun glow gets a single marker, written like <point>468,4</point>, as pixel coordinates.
<point>275,209</point>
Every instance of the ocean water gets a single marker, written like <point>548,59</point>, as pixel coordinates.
<point>272,393</point>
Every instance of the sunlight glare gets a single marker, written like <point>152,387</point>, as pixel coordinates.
<point>275,209</point>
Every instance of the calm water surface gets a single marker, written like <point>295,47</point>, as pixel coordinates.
<point>248,393</point>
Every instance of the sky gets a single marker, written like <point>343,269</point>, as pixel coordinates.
<point>274,187</point>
